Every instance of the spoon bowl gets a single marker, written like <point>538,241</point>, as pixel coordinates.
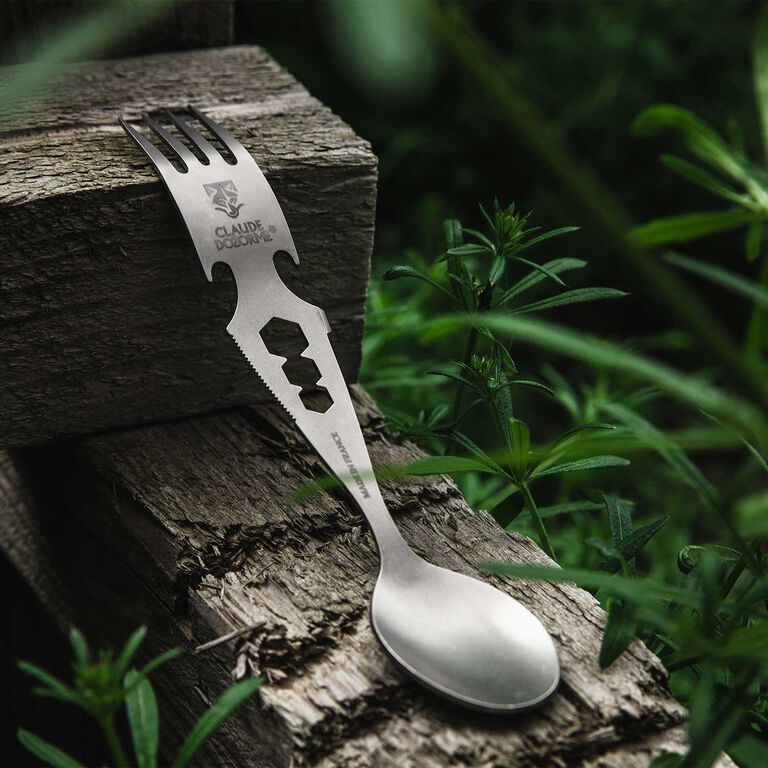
<point>463,638</point>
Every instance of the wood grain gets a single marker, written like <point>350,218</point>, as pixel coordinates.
<point>192,527</point>
<point>106,318</point>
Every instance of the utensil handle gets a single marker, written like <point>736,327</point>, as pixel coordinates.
<point>336,434</point>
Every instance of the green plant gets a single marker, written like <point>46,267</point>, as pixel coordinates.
<point>105,685</point>
<point>475,278</point>
<point>703,608</point>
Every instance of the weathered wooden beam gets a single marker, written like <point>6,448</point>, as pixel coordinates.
<point>192,528</point>
<point>106,318</point>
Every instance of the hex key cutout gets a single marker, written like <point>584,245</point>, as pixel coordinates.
<point>284,338</point>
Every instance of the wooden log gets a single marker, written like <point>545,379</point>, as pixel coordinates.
<point>106,318</point>
<point>192,527</point>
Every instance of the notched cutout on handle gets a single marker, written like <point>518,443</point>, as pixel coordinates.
<point>284,338</point>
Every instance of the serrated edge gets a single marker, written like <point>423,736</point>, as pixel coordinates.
<point>264,381</point>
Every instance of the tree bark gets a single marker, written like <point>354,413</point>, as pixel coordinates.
<point>106,318</point>
<point>192,528</point>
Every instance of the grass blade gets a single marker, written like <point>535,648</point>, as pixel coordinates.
<point>605,354</point>
<point>634,590</point>
<point>222,708</point>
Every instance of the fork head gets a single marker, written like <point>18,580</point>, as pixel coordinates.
<point>227,204</point>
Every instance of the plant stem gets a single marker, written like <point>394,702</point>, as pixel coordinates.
<point>458,398</point>
<point>538,523</point>
<point>115,747</point>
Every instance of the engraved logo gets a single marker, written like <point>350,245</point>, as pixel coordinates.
<point>222,195</point>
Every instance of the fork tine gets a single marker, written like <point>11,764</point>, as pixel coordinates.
<point>195,137</point>
<point>222,134</point>
<point>157,158</point>
<point>179,147</point>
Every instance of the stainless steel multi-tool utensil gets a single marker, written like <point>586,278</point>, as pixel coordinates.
<point>459,636</point>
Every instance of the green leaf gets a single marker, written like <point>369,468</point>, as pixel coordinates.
<point>445,465</point>
<point>221,709</point>
<point>403,270</point>
<point>578,431</point>
<point>749,749</point>
<point>629,547</point>
<point>594,462</point>
<point>666,760</point>
<point>619,518</point>
<point>532,384</point>
<point>722,277</point>
<point>546,236</point>
<point>754,241</point>
<point>691,226</point>
<point>45,751</point>
<point>471,249</point>
<point>143,718</point>
<point>569,508</point>
<point>453,234</point>
<point>619,631</point>
<point>556,266</point>
<point>636,591</point>
<point>158,661</point>
<point>497,270</point>
<point>699,137</point>
<point>480,236</point>
<point>704,179</point>
<point>575,296</point>
<point>760,74</point>
<point>457,272</point>
<point>453,376</point>
<point>715,714</point>
<point>521,445</point>
<point>472,447</point>
<point>545,270</point>
<point>129,651</point>
<point>51,683</point>
<point>79,646</point>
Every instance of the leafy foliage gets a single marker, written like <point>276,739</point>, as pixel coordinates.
<point>104,685</point>
<point>475,276</point>
<point>702,534</point>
